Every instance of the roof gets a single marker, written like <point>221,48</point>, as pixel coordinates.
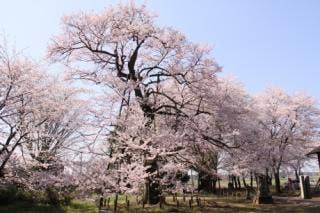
<point>314,151</point>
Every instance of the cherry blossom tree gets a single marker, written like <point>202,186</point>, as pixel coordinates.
<point>127,52</point>
<point>20,89</point>
<point>164,106</point>
<point>33,108</point>
<point>288,121</point>
<point>48,142</point>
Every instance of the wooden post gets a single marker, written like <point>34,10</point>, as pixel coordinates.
<point>161,201</point>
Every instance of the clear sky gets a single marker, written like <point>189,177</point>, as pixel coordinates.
<point>262,42</point>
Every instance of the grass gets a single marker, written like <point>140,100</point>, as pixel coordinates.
<point>212,204</point>
<point>81,206</point>
<point>25,207</point>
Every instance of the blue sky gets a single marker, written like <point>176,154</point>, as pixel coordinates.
<point>262,42</point>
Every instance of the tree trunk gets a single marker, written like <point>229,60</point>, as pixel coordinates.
<point>269,180</point>
<point>271,176</point>
<point>276,173</point>
<point>152,186</point>
<point>152,192</point>
<point>230,182</point>
<point>251,180</point>
<point>296,174</point>
<point>205,182</point>
<point>234,181</point>
<point>214,184</point>
<point>256,179</point>
<point>239,182</point>
<point>244,182</point>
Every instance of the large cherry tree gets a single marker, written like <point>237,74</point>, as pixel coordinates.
<point>126,51</point>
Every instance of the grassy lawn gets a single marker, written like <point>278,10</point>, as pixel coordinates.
<point>211,205</point>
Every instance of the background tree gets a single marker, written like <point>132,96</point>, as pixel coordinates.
<point>287,121</point>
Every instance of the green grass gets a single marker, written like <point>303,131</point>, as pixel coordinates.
<point>81,206</point>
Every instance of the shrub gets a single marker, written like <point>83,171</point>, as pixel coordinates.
<point>8,194</point>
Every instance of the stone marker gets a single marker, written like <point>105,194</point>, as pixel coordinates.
<point>263,195</point>
<point>305,187</point>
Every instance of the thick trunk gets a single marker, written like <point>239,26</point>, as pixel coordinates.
<point>205,182</point>
<point>154,192</point>
<point>152,186</point>
<point>251,180</point>
<point>276,173</point>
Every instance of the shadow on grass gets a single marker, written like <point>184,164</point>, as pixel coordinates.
<point>74,206</point>
<point>18,207</point>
